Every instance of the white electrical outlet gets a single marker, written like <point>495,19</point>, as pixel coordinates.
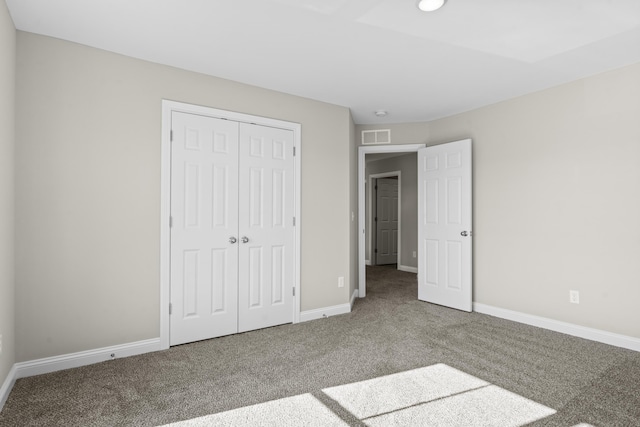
<point>574,297</point>
<point>414,254</point>
<point>341,282</point>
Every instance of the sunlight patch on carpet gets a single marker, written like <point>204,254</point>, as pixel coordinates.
<point>437,394</point>
<point>434,395</point>
<point>376,396</point>
<point>291,411</point>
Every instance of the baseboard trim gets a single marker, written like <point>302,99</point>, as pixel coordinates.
<point>592,334</point>
<point>319,313</point>
<point>83,358</point>
<point>408,269</point>
<point>367,262</point>
<point>354,295</point>
<point>7,386</point>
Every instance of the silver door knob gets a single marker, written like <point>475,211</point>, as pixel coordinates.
<point>244,239</point>
<point>232,240</point>
<point>464,233</point>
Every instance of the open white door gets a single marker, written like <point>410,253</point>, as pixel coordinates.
<point>444,225</point>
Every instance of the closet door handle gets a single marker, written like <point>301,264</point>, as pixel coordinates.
<point>244,239</point>
<point>232,240</point>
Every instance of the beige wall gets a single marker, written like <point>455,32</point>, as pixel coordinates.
<point>556,195</point>
<point>556,199</point>
<point>7,137</point>
<point>408,165</point>
<point>88,191</point>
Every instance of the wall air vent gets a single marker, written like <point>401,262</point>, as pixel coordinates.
<point>379,136</point>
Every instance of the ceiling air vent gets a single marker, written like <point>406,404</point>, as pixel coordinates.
<point>380,136</point>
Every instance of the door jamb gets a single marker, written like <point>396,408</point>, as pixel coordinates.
<point>370,210</point>
<point>168,107</point>
<point>362,151</point>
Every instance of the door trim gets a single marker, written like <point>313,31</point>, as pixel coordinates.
<point>362,151</point>
<point>169,107</point>
<point>370,194</point>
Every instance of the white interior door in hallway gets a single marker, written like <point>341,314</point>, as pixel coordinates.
<point>232,227</point>
<point>386,219</point>
<point>444,225</point>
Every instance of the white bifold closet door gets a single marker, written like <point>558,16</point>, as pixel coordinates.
<point>266,273</point>
<point>232,233</point>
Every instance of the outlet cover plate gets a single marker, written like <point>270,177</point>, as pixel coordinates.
<point>574,297</point>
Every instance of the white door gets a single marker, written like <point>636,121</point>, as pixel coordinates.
<point>204,216</point>
<point>444,225</point>
<point>232,234</point>
<point>266,226</point>
<point>386,221</point>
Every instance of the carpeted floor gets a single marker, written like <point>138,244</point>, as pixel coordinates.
<point>387,334</point>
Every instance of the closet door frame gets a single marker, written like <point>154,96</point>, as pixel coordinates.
<point>168,107</point>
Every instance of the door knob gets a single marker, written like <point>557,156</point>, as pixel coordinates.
<point>232,240</point>
<point>464,233</point>
<point>244,239</point>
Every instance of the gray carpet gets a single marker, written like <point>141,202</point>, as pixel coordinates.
<point>388,333</point>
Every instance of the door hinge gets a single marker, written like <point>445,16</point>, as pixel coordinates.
<point>375,219</point>
<point>294,292</point>
<point>170,308</point>
<point>294,221</point>
<point>294,150</point>
<point>170,221</point>
<point>171,135</point>
<point>375,250</point>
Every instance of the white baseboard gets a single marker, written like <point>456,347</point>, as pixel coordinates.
<point>408,269</point>
<point>598,335</point>
<point>7,386</point>
<point>319,313</point>
<point>354,295</point>
<point>367,262</point>
<point>83,358</point>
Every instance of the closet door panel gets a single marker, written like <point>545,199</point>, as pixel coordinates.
<point>204,210</point>
<point>266,210</point>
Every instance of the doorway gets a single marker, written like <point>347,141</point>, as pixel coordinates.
<point>364,196</point>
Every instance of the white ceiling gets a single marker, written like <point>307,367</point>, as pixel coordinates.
<point>367,55</point>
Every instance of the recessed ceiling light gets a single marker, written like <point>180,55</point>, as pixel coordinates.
<point>430,5</point>
<point>380,113</point>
